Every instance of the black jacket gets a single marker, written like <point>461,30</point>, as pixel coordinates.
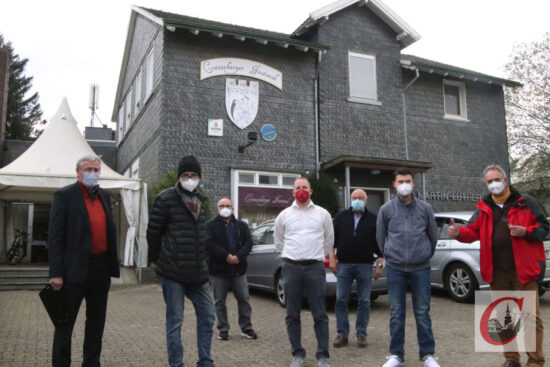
<point>177,241</point>
<point>355,245</point>
<point>70,236</point>
<point>218,265</point>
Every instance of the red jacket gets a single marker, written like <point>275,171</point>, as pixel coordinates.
<point>528,250</point>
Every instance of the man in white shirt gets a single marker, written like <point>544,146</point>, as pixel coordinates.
<point>304,235</point>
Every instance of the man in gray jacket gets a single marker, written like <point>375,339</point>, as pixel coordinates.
<point>407,235</point>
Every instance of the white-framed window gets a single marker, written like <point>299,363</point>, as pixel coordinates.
<point>128,118</point>
<point>454,100</point>
<point>121,122</point>
<point>266,179</point>
<point>150,74</point>
<point>137,89</point>
<point>362,78</point>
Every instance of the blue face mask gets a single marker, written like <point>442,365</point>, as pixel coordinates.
<point>90,179</point>
<point>357,205</point>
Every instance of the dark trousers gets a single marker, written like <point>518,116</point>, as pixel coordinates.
<point>94,290</point>
<point>239,286</point>
<point>307,281</point>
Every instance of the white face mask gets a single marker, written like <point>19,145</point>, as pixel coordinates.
<point>189,184</point>
<point>225,212</point>
<point>496,187</point>
<point>404,189</point>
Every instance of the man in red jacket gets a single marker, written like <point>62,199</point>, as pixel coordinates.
<point>510,228</point>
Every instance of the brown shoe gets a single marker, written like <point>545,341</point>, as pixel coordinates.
<point>361,341</point>
<point>340,341</point>
<point>511,363</point>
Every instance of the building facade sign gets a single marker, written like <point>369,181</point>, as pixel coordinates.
<point>234,66</point>
<point>241,101</point>
<point>268,132</point>
<point>265,197</point>
<point>215,127</point>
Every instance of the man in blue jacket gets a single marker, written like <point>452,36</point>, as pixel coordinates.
<point>227,266</point>
<point>407,234</point>
<point>355,243</point>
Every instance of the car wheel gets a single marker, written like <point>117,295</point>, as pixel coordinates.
<point>461,283</point>
<point>279,290</point>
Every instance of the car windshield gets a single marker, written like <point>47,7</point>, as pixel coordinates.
<point>262,235</point>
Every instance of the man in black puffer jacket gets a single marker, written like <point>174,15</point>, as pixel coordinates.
<point>232,244</point>
<point>177,240</point>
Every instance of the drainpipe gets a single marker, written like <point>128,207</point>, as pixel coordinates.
<point>405,112</point>
<point>317,127</point>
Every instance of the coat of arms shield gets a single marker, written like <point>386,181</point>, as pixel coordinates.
<point>241,101</point>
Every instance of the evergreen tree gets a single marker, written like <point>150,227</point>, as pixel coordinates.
<point>22,111</point>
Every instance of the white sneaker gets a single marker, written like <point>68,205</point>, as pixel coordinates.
<point>430,361</point>
<point>393,361</point>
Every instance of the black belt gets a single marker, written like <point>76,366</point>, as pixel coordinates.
<point>300,262</point>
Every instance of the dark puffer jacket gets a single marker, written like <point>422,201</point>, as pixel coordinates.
<point>177,241</point>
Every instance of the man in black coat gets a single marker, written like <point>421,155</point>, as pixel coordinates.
<point>177,239</point>
<point>355,244</point>
<point>227,266</point>
<point>83,257</point>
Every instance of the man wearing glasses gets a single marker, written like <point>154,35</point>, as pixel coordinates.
<point>177,240</point>
<point>227,265</point>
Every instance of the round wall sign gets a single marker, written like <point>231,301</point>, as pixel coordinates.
<point>268,132</point>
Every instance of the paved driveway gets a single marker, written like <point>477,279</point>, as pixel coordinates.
<point>134,334</point>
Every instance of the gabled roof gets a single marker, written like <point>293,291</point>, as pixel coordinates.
<point>433,67</point>
<point>405,33</point>
<point>171,21</point>
<point>50,162</point>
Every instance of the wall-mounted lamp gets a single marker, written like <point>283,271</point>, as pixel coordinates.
<point>375,172</point>
<point>251,137</point>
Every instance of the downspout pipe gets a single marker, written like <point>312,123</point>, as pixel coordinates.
<point>405,112</point>
<point>316,107</point>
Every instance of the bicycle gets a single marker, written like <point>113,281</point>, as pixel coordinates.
<point>18,249</point>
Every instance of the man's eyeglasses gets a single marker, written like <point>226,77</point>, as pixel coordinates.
<point>192,176</point>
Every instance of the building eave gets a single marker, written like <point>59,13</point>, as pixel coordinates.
<point>444,70</point>
<point>386,164</point>
<point>259,37</point>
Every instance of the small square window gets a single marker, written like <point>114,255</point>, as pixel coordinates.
<point>288,181</point>
<point>268,180</point>
<point>246,178</point>
<point>454,100</point>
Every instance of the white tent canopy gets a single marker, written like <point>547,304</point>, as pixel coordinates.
<point>50,163</point>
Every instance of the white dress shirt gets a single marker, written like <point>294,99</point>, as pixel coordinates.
<point>304,234</point>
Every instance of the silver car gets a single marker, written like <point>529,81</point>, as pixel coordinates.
<point>264,267</point>
<point>455,265</point>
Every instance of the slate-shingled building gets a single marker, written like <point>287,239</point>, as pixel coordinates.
<point>337,96</point>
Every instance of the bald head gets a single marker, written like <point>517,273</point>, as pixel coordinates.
<point>225,203</point>
<point>359,194</point>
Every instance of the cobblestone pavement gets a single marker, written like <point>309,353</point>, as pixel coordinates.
<point>134,333</point>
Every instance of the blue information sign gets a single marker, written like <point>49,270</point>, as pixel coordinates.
<point>268,132</point>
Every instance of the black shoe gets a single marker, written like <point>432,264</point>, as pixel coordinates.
<point>249,334</point>
<point>224,335</point>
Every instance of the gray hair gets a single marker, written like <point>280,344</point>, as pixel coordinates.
<point>87,158</point>
<point>494,167</point>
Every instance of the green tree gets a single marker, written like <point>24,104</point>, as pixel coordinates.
<point>528,117</point>
<point>22,111</point>
<point>324,194</point>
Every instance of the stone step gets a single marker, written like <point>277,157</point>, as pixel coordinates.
<point>21,287</point>
<point>23,279</point>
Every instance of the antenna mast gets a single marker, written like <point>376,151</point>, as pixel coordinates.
<point>94,99</point>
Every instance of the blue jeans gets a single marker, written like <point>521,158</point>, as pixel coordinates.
<point>421,293</point>
<point>307,281</point>
<point>362,273</point>
<point>174,297</point>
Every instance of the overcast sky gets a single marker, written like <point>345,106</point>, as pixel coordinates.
<point>72,43</point>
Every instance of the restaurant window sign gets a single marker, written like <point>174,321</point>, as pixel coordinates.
<point>259,196</point>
